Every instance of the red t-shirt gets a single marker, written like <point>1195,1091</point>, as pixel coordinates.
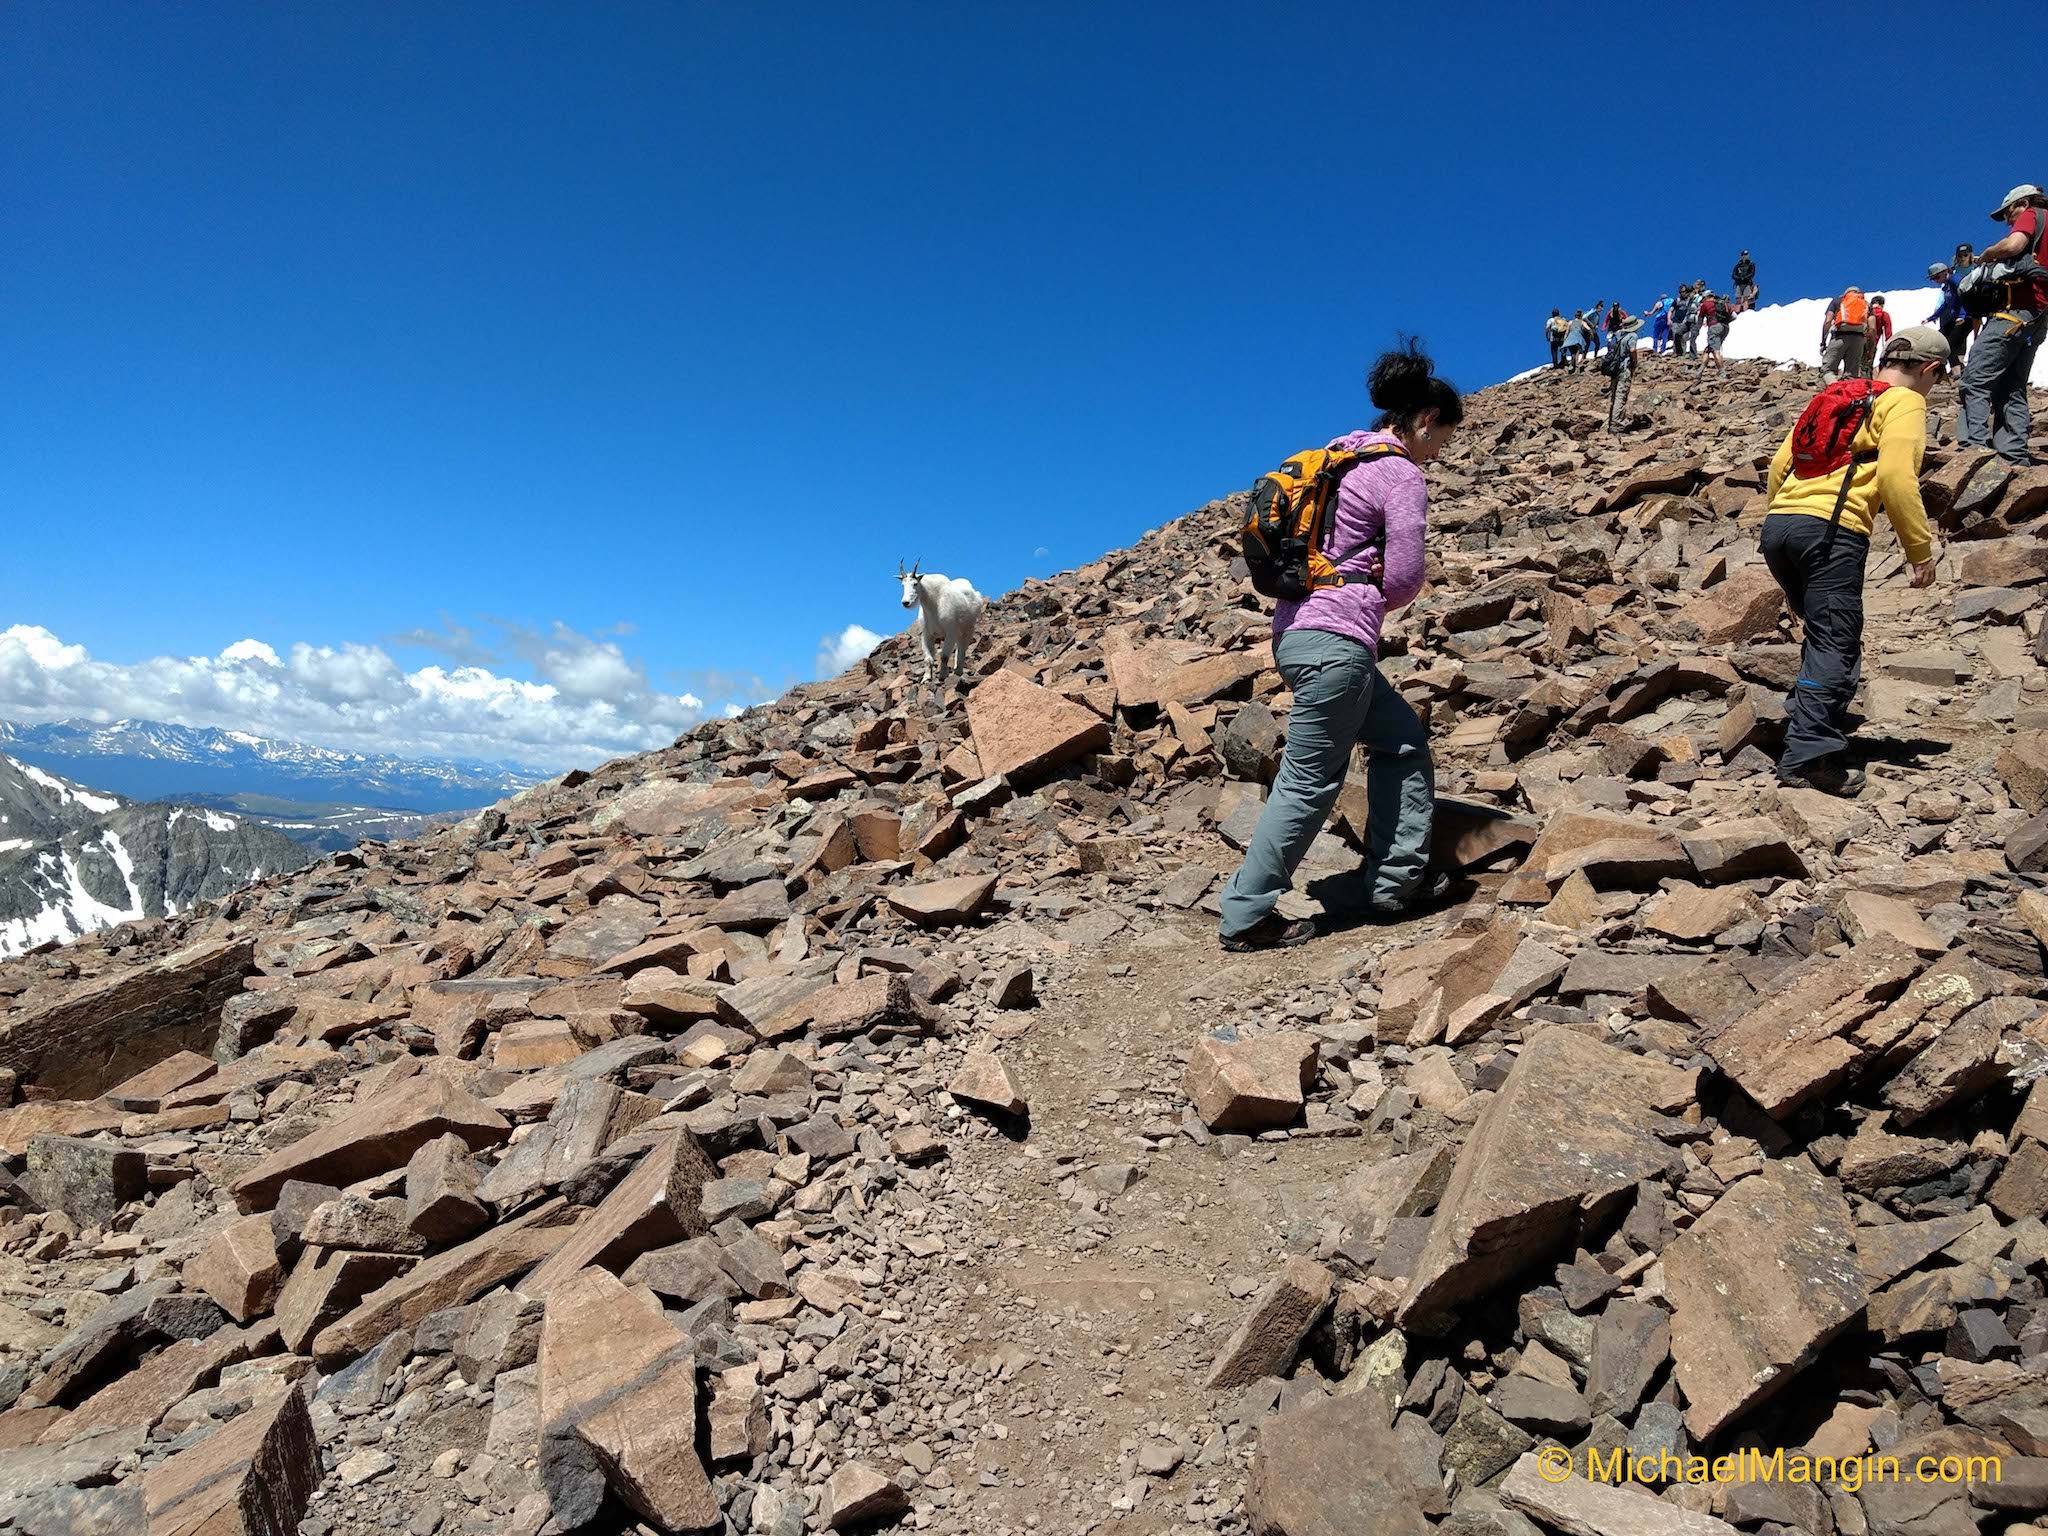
<point>2028,222</point>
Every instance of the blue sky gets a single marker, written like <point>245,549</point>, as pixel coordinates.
<point>625,348</point>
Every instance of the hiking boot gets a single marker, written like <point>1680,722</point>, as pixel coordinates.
<point>1427,894</point>
<point>1270,932</point>
<point>1829,778</point>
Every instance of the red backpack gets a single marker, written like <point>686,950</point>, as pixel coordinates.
<point>1829,424</point>
<point>1824,438</point>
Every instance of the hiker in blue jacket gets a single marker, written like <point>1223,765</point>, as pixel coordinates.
<point>1949,317</point>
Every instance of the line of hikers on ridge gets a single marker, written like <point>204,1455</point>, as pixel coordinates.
<point>1992,313</point>
<point>1675,324</point>
<point>1339,536</point>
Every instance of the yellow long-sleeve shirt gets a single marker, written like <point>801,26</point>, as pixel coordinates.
<point>1897,429</point>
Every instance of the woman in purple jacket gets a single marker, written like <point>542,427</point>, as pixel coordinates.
<point>1327,650</point>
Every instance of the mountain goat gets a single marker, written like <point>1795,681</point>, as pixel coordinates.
<point>948,610</point>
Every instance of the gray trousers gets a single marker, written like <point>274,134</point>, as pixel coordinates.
<point>1994,384</point>
<point>1844,351</point>
<point>1617,400</point>
<point>1340,700</point>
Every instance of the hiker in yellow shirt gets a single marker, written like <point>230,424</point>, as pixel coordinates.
<point>1855,449</point>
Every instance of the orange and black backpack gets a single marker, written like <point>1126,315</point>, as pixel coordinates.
<point>1290,516</point>
<point>1852,310</point>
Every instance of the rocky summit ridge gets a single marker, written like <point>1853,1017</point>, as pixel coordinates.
<point>844,1118</point>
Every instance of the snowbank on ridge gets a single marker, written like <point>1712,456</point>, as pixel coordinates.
<point>1791,333</point>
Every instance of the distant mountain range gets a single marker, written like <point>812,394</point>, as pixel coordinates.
<point>72,859</point>
<point>149,760</point>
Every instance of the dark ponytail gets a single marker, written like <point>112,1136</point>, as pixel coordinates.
<point>1404,384</point>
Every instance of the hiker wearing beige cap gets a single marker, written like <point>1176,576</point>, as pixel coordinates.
<point>1855,448</point>
<point>2013,285</point>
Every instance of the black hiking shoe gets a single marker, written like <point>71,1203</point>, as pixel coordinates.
<point>1829,778</point>
<point>1270,932</point>
<point>1427,894</point>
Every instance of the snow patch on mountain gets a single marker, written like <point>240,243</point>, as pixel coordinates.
<point>90,860</point>
<point>68,792</point>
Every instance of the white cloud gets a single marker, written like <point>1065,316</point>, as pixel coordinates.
<point>585,701</point>
<point>838,652</point>
<point>251,650</point>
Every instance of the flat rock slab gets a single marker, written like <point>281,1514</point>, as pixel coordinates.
<point>252,1477</point>
<point>664,807</point>
<point>1268,1339</point>
<point>1758,1286</point>
<point>1742,849</point>
<point>1021,729</point>
<point>618,1407</point>
<point>1332,1470</point>
<point>374,1138</point>
<point>104,1343</point>
<point>939,902</point>
<point>1573,1125</point>
<point>239,1268</point>
<point>1583,1508</point>
<point>1803,1038</point>
<point>1885,1253</point>
<point>1744,607</point>
<point>660,1202</point>
<point>144,1395</point>
<point>144,1093</point>
<point>448,1279</point>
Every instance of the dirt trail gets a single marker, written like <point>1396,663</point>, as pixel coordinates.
<point>1099,1308</point>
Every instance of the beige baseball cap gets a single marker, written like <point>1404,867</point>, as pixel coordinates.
<point>2018,194</point>
<point>1917,344</point>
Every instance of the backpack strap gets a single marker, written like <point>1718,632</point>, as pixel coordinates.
<point>1366,455</point>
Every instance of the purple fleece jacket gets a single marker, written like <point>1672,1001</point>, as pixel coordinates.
<point>1382,505</point>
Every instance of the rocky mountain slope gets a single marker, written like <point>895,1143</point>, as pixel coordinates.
<point>149,759</point>
<point>73,860</point>
<point>844,1118</point>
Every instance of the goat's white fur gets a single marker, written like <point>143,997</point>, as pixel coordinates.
<point>948,609</point>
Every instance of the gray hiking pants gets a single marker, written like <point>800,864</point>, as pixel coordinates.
<point>1844,351</point>
<point>1994,384</point>
<point>1617,400</point>
<point>1340,700</point>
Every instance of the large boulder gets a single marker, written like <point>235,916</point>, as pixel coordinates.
<point>1758,1286</point>
<point>1575,1124</point>
<point>1021,729</point>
